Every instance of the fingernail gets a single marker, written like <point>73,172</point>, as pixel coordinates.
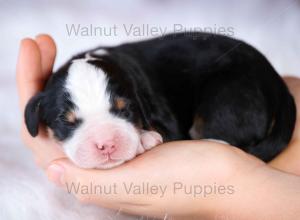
<point>55,174</point>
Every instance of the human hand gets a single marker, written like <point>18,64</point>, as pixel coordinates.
<point>289,159</point>
<point>35,63</point>
<point>210,162</point>
<point>171,165</point>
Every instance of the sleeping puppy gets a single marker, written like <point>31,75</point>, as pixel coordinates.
<point>109,104</point>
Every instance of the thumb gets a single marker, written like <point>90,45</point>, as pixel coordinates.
<point>102,187</point>
<point>63,171</point>
<point>75,180</point>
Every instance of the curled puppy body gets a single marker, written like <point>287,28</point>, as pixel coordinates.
<point>109,104</point>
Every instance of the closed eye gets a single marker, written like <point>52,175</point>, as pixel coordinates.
<point>68,118</point>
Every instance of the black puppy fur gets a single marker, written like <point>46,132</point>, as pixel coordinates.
<point>223,86</point>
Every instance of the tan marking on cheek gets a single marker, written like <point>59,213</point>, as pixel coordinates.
<point>70,117</point>
<point>120,103</point>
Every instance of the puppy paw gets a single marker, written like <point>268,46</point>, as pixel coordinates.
<point>150,139</point>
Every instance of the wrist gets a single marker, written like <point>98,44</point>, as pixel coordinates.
<point>288,160</point>
<point>265,193</point>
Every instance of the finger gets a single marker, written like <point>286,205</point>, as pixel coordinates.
<point>45,152</point>
<point>48,52</point>
<point>288,160</point>
<point>293,84</point>
<point>28,71</point>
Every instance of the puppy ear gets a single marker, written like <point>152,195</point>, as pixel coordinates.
<point>32,114</point>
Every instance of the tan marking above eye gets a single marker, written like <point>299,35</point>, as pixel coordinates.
<point>120,103</point>
<point>70,116</point>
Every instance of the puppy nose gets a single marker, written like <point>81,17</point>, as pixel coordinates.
<point>106,148</point>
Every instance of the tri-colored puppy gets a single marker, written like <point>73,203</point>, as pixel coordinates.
<point>109,104</point>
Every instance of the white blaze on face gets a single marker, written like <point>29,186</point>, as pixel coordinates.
<point>87,86</point>
<point>102,140</point>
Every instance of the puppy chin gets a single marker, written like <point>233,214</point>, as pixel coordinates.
<point>109,165</point>
<point>100,164</point>
<point>103,166</point>
<point>89,163</point>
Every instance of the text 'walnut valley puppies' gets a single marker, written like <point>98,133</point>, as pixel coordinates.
<point>107,105</point>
